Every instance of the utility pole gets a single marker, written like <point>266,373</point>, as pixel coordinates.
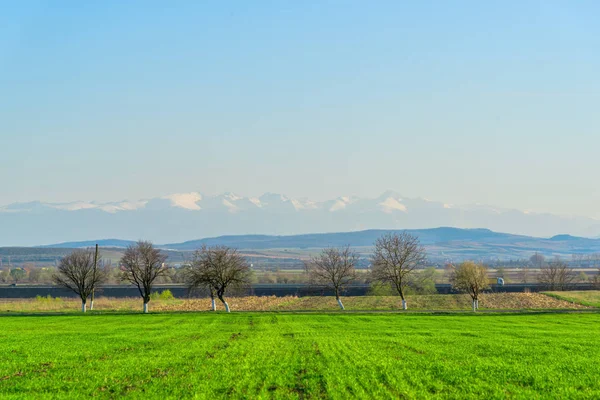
<point>94,277</point>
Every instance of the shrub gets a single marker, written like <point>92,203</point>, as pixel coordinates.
<point>381,289</point>
<point>164,295</point>
<point>43,299</point>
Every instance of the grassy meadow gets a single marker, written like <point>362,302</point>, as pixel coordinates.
<point>318,355</point>
<point>589,298</point>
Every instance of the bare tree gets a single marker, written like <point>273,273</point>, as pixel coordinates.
<point>76,272</point>
<point>198,276</point>
<point>334,269</point>
<point>594,260</point>
<point>96,259</point>
<point>471,278</point>
<point>218,269</point>
<point>556,275</point>
<point>141,265</point>
<point>596,280</point>
<point>537,260</point>
<point>395,257</point>
<point>525,274</point>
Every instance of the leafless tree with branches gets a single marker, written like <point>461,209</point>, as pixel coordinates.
<point>396,256</point>
<point>596,280</point>
<point>218,269</point>
<point>471,278</point>
<point>197,275</point>
<point>333,268</point>
<point>76,272</point>
<point>141,265</point>
<point>537,260</point>
<point>556,275</point>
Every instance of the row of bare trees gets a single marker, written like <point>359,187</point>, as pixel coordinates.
<point>215,269</point>
<point>82,271</point>
<point>219,270</point>
<point>473,279</point>
<point>394,259</point>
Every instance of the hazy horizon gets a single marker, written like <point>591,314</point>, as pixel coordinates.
<point>490,103</point>
<point>172,196</point>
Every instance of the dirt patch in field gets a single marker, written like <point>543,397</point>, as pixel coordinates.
<point>493,301</point>
<point>490,301</point>
<point>525,301</point>
<point>248,303</point>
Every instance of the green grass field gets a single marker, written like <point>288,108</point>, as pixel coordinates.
<point>589,298</point>
<point>271,355</point>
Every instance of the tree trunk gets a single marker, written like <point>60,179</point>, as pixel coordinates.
<point>83,306</point>
<point>401,293</point>
<point>145,307</point>
<point>212,299</point>
<point>340,304</point>
<point>477,304</point>
<point>91,305</point>
<point>474,305</point>
<point>220,295</point>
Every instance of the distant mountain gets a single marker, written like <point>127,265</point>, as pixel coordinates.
<point>177,217</point>
<point>92,243</point>
<point>356,239</point>
<point>442,244</point>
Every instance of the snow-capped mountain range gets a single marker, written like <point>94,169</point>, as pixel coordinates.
<point>185,216</point>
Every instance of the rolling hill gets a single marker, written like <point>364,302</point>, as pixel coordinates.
<point>441,243</point>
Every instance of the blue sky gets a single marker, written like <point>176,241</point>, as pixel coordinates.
<point>462,102</point>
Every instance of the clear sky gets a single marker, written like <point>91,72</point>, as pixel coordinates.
<point>461,102</point>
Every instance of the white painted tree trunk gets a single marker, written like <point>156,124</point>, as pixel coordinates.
<point>474,305</point>
<point>340,304</point>
<point>213,305</point>
<point>91,305</point>
<point>226,306</point>
<point>145,308</point>
<point>404,306</point>
<point>82,307</point>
